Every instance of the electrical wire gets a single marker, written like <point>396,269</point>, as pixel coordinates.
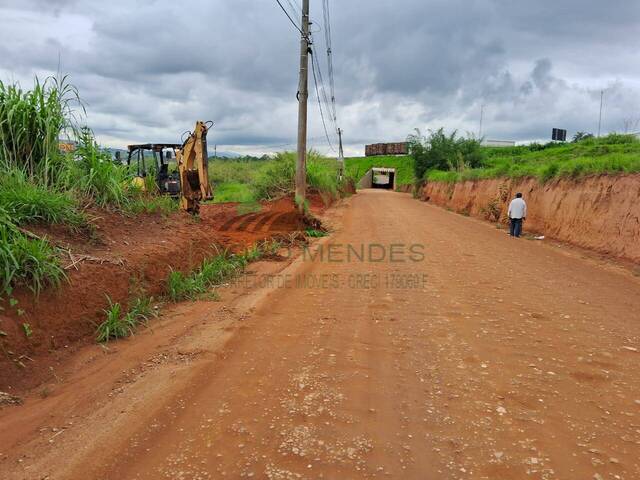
<point>323,91</point>
<point>315,81</point>
<point>327,38</point>
<point>290,18</point>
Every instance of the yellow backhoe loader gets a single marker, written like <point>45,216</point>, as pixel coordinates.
<point>191,180</point>
<point>193,168</point>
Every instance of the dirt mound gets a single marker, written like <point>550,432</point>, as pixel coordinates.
<point>125,257</point>
<point>600,213</point>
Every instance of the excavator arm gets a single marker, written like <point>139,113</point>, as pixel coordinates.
<point>192,161</point>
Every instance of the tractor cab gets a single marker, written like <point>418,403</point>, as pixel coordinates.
<point>155,158</point>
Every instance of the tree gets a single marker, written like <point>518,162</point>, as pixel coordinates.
<point>440,151</point>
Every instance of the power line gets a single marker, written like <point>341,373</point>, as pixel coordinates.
<point>315,81</point>
<point>323,91</point>
<point>327,37</point>
<point>290,19</point>
<point>295,7</point>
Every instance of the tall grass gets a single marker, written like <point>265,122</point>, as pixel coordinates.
<point>94,176</point>
<point>39,184</point>
<point>30,124</point>
<point>277,177</point>
<point>28,202</point>
<point>25,261</point>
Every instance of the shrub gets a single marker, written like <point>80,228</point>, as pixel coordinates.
<point>277,177</point>
<point>440,151</point>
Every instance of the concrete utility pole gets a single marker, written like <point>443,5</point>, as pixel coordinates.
<point>600,118</point>
<point>303,95</point>
<point>340,153</point>
<point>481,118</point>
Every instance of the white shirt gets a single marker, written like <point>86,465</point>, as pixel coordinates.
<point>517,208</point>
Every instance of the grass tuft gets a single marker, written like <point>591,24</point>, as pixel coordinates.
<point>117,324</point>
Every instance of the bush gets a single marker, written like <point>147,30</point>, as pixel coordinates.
<point>440,151</point>
<point>277,178</point>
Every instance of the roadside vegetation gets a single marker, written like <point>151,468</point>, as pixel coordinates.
<point>266,179</point>
<point>40,184</point>
<point>450,158</point>
<point>198,284</point>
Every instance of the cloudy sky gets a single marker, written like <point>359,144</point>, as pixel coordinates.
<point>148,69</point>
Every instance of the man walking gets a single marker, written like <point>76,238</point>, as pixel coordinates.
<point>517,214</point>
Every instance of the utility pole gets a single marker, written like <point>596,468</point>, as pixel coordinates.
<point>600,118</point>
<point>481,118</point>
<point>303,95</point>
<point>340,150</point>
<point>215,151</point>
<point>340,153</point>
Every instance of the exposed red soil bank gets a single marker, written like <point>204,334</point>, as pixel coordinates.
<point>601,213</point>
<point>129,256</point>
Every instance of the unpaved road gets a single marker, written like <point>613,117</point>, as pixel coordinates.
<point>515,359</point>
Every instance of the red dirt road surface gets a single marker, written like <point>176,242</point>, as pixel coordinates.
<point>512,359</point>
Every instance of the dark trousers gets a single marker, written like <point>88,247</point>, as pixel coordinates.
<point>515,229</point>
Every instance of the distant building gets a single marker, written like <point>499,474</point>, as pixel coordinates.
<point>396,148</point>
<point>498,143</point>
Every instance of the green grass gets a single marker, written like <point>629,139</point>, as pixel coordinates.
<point>163,204</point>
<point>314,233</point>
<point>613,154</point>
<point>357,167</point>
<point>212,273</point>
<point>27,202</point>
<point>25,261</point>
<point>233,192</point>
<point>118,324</point>
<point>233,171</point>
<point>277,177</point>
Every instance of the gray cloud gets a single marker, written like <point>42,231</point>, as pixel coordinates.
<point>148,70</point>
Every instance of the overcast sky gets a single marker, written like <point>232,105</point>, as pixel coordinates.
<point>148,69</point>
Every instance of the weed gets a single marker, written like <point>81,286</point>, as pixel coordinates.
<point>212,273</point>
<point>121,325</point>
<point>28,332</point>
<point>113,326</point>
<point>141,309</point>
<point>25,261</point>
<point>163,204</point>
<point>311,232</point>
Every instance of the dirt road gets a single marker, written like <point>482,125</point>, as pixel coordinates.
<point>511,359</point>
